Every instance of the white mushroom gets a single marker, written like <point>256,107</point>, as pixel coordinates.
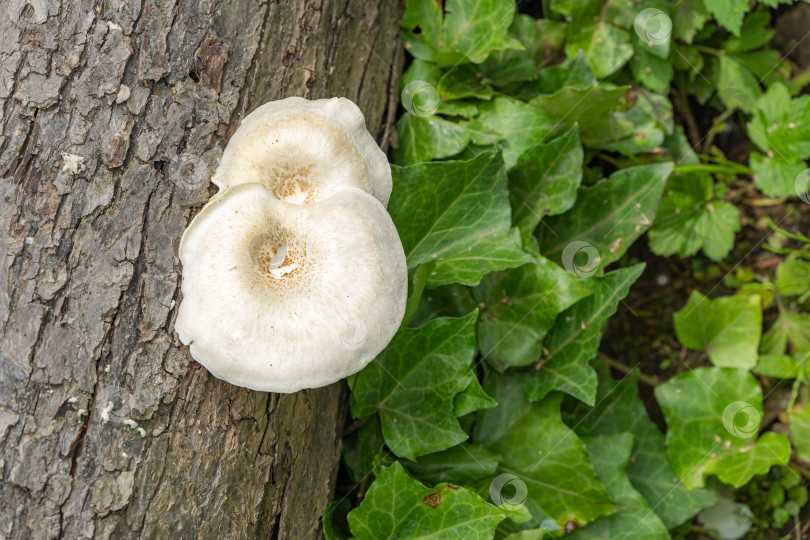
<point>280,296</point>
<point>304,151</point>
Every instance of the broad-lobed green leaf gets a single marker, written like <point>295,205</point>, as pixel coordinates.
<point>425,138</point>
<point>574,339</point>
<point>621,411</point>
<point>457,214</point>
<point>713,416</point>
<point>728,328</point>
<point>545,180</point>
<point>542,452</point>
<point>609,215</point>
<point>518,308</point>
<point>610,455</point>
<point>689,220</point>
<point>397,506</point>
<point>515,125</point>
<point>413,382</point>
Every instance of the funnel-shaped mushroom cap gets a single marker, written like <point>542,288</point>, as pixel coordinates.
<point>280,297</point>
<point>304,151</point>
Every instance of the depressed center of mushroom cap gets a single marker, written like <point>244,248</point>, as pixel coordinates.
<point>304,151</point>
<point>280,297</point>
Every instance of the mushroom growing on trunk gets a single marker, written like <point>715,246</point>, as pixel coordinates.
<point>293,274</point>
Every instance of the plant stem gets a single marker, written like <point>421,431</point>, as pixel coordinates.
<point>649,380</point>
<point>707,143</point>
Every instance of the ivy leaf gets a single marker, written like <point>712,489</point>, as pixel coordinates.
<point>800,432</point>
<point>781,125</point>
<point>574,339</point>
<point>457,214</point>
<point>733,78</point>
<point>412,383</point>
<point>397,506</point>
<point>474,28</point>
<point>519,307</point>
<point>467,31</point>
<point>649,121</point>
<point>782,366</point>
<point>425,138</point>
<point>576,96</point>
<point>712,416</point>
<point>609,215</point>
<point>610,455</point>
<point>545,181</point>
<point>620,410</point>
<point>473,398</point>
<point>363,450</point>
<point>689,220</point>
<point>462,464</point>
<point>422,28</point>
<point>606,46</point>
<point>775,176</point>
<point>728,328</point>
<point>790,332</point>
<point>542,452</point>
<point>728,13</point>
<point>514,124</point>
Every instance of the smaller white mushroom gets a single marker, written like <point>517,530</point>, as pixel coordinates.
<point>304,151</point>
<point>280,296</point>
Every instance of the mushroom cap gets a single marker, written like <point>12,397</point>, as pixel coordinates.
<point>304,151</point>
<point>279,297</point>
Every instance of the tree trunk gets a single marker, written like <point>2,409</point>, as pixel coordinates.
<point>114,115</point>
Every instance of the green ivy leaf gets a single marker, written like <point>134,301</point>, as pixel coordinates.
<point>689,220</point>
<point>467,31</point>
<point>782,366</point>
<point>425,138</point>
<point>476,28</point>
<point>397,506</point>
<point>734,79</point>
<point>775,176</point>
<point>363,450</point>
<point>575,336</point>
<point>610,455</point>
<point>712,416</point>
<point>514,124</point>
<point>518,308</point>
<point>462,464</point>
<point>457,214</point>
<point>412,383</point>
<point>793,276</point>
<point>610,215</point>
<point>620,410</point>
<point>781,125</point>
<point>606,46</point>
<point>789,333</point>
<point>729,13</point>
<point>728,328</point>
<point>545,181</point>
<point>572,95</point>
<point>800,432</point>
<point>473,398</point>
<point>542,452</point>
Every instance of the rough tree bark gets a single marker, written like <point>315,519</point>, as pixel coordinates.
<point>114,114</point>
